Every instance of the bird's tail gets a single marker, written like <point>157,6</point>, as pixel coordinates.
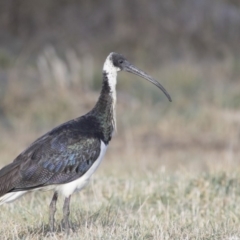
<point>10,197</point>
<point>9,176</point>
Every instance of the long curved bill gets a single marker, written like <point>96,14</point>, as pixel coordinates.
<point>132,69</point>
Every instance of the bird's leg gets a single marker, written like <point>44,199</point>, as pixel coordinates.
<point>66,212</point>
<point>52,210</point>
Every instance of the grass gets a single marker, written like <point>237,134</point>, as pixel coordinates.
<point>171,171</point>
<point>142,205</point>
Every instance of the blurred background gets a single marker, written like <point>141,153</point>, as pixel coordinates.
<point>51,57</point>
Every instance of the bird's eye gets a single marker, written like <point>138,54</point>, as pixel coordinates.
<point>120,61</point>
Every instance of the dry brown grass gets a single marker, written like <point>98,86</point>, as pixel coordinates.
<point>140,204</point>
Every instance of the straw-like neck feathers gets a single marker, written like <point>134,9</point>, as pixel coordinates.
<point>104,109</point>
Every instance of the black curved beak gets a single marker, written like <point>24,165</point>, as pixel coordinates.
<point>128,67</point>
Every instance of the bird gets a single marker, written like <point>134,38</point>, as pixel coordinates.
<point>64,159</point>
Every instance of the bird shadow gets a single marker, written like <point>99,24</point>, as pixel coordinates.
<point>44,230</point>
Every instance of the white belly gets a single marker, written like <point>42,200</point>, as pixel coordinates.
<point>68,188</point>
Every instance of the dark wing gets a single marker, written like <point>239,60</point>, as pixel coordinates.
<point>55,158</point>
